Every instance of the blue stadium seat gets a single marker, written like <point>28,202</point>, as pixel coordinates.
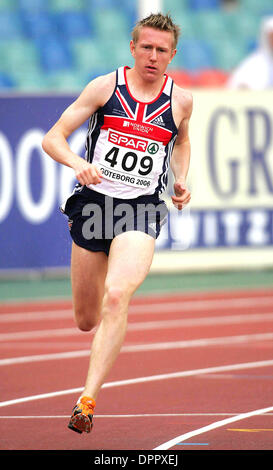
<point>34,81</point>
<point>203,4</point>
<point>73,24</point>
<point>6,81</point>
<point>175,6</point>
<point>38,24</point>
<point>125,7</point>
<point>89,53</point>
<point>55,54</point>
<point>195,54</point>
<point>112,24</point>
<point>8,5</point>
<point>229,54</point>
<point>65,5</point>
<point>32,5</point>
<point>91,4</point>
<point>131,11</point>
<point>251,45</point>
<point>210,24</point>
<point>70,81</point>
<point>10,25</point>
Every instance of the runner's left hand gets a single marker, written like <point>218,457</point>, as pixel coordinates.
<point>182,195</point>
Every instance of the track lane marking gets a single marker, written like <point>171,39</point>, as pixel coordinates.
<point>152,378</point>
<point>251,430</point>
<point>194,343</point>
<point>168,345</point>
<point>174,306</point>
<point>140,415</point>
<point>183,437</point>
<point>143,326</point>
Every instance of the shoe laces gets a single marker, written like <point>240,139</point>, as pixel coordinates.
<point>87,405</point>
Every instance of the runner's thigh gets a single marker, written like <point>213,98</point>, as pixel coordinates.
<point>88,271</point>
<point>130,259</point>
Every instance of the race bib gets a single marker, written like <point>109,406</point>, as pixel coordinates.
<point>133,160</point>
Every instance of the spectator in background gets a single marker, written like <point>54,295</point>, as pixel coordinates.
<point>256,70</point>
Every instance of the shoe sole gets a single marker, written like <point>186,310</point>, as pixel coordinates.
<point>80,423</point>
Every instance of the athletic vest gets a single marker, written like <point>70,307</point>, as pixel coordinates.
<point>131,142</point>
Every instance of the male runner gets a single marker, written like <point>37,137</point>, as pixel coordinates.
<point>138,126</point>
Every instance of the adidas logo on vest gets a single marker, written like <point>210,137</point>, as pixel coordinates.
<point>159,120</point>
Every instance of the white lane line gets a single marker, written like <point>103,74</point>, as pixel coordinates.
<point>156,307</point>
<point>144,415</point>
<point>36,315</point>
<point>210,427</point>
<point>137,380</point>
<point>147,325</point>
<point>129,348</point>
<point>203,305</point>
<point>206,321</point>
<point>45,357</point>
<point>202,342</point>
<point>54,332</point>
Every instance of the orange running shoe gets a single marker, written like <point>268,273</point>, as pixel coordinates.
<point>82,415</point>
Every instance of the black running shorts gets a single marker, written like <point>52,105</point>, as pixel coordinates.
<point>95,219</point>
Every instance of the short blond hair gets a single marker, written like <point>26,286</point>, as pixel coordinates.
<point>157,21</point>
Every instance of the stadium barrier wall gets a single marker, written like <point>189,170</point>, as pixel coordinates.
<point>228,224</point>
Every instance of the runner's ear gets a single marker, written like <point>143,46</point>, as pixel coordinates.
<point>173,54</point>
<point>132,47</point>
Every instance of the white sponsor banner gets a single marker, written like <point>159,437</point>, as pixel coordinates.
<point>232,149</point>
<point>229,222</point>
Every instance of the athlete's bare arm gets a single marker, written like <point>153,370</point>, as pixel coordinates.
<point>180,161</point>
<point>55,144</point>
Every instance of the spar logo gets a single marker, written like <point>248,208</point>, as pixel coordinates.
<point>153,148</point>
<point>127,141</point>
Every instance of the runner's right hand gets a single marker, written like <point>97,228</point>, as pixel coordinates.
<point>87,173</point>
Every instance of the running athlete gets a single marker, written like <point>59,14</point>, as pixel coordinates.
<point>138,127</point>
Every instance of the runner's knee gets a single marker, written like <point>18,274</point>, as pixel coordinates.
<point>86,318</point>
<point>115,299</point>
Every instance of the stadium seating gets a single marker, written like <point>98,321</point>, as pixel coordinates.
<point>6,81</point>
<point>228,56</point>
<point>18,55</point>
<point>66,5</point>
<point>110,23</point>
<point>38,24</point>
<point>88,54</point>
<point>10,25</point>
<point>55,55</point>
<point>55,43</point>
<point>8,5</point>
<point>204,4</point>
<point>196,54</point>
<point>30,6</point>
<point>72,24</point>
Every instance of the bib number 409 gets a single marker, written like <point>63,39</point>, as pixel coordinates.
<point>130,161</point>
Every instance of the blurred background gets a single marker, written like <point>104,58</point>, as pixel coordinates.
<point>49,45</point>
<point>49,50</point>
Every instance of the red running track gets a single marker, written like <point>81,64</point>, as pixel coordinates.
<point>195,372</point>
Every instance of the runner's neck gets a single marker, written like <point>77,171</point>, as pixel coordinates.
<point>142,90</point>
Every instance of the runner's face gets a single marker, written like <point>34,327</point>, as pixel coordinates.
<point>152,52</point>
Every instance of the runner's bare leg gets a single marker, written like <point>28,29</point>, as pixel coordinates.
<point>88,272</point>
<point>129,262</point>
